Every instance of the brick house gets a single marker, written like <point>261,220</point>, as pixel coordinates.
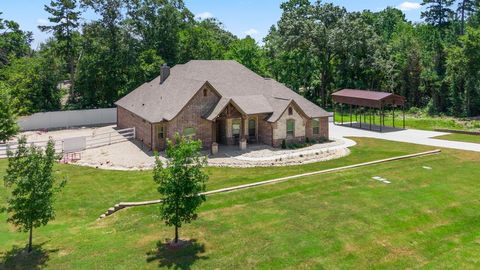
<point>220,103</point>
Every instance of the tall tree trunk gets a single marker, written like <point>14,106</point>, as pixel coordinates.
<point>462,31</point>
<point>176,234</point>
<point>72,76</point>
<point>30,239</point>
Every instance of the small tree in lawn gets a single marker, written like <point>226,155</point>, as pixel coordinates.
<point>181,181</point>
<point>30,175</point>
<point>8,123</point>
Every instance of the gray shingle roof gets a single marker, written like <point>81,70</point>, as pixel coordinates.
<point>254,94</point>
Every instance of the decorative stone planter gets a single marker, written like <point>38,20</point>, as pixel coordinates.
<point>243,144</point>
<point>214,148</point>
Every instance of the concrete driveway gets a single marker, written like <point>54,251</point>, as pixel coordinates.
<point>409,136</point>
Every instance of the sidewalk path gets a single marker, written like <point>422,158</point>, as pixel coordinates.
<point>409,136</point>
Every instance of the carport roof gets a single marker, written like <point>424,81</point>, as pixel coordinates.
<point>364,98</point>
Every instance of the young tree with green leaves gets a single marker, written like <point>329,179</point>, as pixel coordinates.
<point>65,21</point>
<point>8,122</point>
<point>30,176</point>
<point>181,181</point>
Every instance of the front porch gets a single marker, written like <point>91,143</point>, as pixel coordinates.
<point>235,129</point>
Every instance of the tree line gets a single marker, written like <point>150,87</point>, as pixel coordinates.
<point>315,49</point>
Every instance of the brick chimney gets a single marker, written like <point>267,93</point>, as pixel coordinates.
<point>164,73</point>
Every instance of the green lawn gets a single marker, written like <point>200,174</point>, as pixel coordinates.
<point>419,122</point>
<point>460,137</point>
<point>425,218</point>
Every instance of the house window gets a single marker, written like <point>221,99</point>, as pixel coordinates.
<point>290,128</point>
<point>316,126</point>
<point>160,132</point>
<point>189,132</point>
<point>290,111</point>
<point>204,92</point>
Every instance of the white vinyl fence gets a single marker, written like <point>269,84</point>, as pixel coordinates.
<point>65,119</point>
<point>77,144</point>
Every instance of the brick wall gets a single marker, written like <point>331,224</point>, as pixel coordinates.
<point>323,129</point>
<point>264,130</point>
<point>191,116</point>
<point>143,129</point>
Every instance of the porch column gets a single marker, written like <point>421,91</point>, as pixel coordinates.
<point>245,127</point>
<point>214,131</point>
<point>243,133</point>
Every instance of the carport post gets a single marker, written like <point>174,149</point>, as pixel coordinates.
<point>351,115</point>
<point>356,113</point>
<point>394,117</point>
<point>370,118</point>
<point>341,112</point>
<point>381,123</point>
<point>360,119</point>
<point>333,106</point>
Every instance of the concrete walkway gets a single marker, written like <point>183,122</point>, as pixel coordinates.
<point>399,135</point>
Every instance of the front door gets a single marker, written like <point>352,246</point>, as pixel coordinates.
<point>236,130</point>
<point>221,135</point>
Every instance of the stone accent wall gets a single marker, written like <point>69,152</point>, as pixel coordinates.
<point>280,128</point>
<point>191,116</point>
<point>143,128</point>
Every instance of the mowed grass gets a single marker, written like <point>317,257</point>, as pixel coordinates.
<point>417,122</point>
<point>460,138</point>
<point>425,218</point>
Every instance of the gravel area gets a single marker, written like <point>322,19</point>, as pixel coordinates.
<point>132,155</point>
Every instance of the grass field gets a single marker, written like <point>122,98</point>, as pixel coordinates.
<point>420,122</point>
<point>425,218</point>
<point>460,138</point>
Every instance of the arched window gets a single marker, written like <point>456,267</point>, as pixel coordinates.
<point>290,111</point>
<point>205,92</point>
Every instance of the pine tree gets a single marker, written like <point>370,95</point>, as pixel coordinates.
<point>464,10</point>
<point>65,19</point>
<point>439,12</point>
<point>8,123</point>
